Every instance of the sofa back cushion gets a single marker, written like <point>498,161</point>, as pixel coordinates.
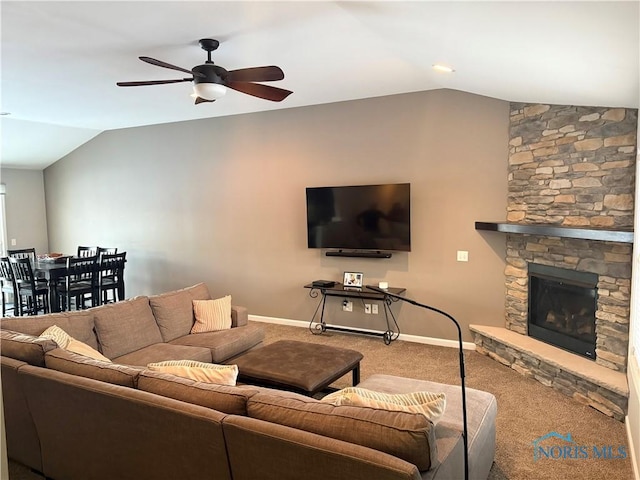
<point>223,398</point>
<point>69,362</point>
<point>409,436</point>
<point>173,311</point>
<point>79,325</point>
<point>24,347</point>
<point>127,326</point>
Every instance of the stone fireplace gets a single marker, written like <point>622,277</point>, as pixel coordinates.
<point>571,183</point>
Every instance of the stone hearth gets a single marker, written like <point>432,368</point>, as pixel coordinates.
<point>570,167</point>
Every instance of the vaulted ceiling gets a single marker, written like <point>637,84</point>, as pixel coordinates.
<point>61,60</point>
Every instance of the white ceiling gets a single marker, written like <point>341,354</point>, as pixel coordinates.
<point>61,60</point>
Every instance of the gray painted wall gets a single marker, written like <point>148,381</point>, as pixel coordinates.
<point>222,200</point>
<point>25,209</point>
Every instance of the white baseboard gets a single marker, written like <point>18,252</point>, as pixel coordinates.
<point>632,454</point>
<point>407,338</point>
<point>634,383</point>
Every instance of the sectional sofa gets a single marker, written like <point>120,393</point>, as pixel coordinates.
<point>73,417</point>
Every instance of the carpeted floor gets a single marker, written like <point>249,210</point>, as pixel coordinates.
<point>527,410</point>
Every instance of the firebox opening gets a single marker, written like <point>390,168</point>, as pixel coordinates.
<point>562,308</point>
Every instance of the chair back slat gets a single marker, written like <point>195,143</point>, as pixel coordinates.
<point>29,253</point>
<point>87,251</point>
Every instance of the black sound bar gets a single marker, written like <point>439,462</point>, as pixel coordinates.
<point>371,254</point>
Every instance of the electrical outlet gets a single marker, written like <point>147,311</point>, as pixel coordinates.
<point>367,308</point>
<point>463,256</point>
<point>347,306</point>
<point>374,308</point>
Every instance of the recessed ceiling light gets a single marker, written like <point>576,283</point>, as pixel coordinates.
<point>443,68</point>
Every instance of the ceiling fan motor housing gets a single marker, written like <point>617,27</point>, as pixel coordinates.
<point>212,74</point>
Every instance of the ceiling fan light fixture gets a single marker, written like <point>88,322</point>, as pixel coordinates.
<point>439,67</point>
<point>209,91</point>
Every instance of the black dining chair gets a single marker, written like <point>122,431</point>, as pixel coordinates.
<point>7,287</point>
<point>111,277</point>
<point>32,296</point>
<point>29,253</point>
<point>87,251</point>
<point>80,283</point>
<point>107,250</point>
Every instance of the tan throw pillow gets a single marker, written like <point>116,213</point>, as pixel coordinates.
<point>67,342</point>
<point>212,315</point>
<point>58,335</point>
<point>431,405</point>
<point>76,346</point>
<point>199,371</point>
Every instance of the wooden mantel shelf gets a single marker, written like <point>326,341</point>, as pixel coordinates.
<point>622,236</point>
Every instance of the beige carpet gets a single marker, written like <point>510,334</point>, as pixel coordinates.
<point>526,409</point>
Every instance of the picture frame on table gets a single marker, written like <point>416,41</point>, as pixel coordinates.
<point>353,279</point>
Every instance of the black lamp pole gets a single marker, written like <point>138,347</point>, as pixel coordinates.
<point>460,348</point>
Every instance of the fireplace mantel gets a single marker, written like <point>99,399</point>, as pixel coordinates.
<point>621,236</point>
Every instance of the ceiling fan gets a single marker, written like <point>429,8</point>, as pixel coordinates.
<point>210,81</point>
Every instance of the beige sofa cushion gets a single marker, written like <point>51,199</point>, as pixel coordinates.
<point>24,347</point>
<point>127,326</point>
<point>225,344</point>
<point>409,436</point>
<point>173,311</point>
<point>160,352</point>
<point>75,364</point>
<point>79,325</point>
<point>226,399</point>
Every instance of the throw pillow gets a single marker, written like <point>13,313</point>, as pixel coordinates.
<point>429,404</point>
<point>67,342</point>
<point>199,371</point>
<point>56,334</point>
<point>76,346</point>
<point>212,315</point>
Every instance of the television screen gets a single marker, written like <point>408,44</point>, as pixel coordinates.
<point>360,217</point>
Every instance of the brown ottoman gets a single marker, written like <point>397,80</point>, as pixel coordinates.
<point>300,366</point>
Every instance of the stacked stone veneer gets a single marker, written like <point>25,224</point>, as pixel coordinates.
<point>575,167</point>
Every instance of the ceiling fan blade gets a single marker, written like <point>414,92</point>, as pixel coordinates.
<point>256,74</point>
<point>202,100</point>
<point>151,82</point>
<point>261,91</point>
<point>160,63</point>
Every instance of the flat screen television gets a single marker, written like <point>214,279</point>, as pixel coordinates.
<point>360,217</point>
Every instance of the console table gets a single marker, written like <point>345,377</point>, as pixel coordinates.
<point>364,293</point>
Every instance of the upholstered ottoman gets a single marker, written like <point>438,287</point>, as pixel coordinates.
<point>300,366</point>
<point>481,424</point>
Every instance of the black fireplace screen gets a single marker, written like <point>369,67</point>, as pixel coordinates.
<point>562,308</point>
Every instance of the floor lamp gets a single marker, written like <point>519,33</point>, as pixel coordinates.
<point>461,353</point>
